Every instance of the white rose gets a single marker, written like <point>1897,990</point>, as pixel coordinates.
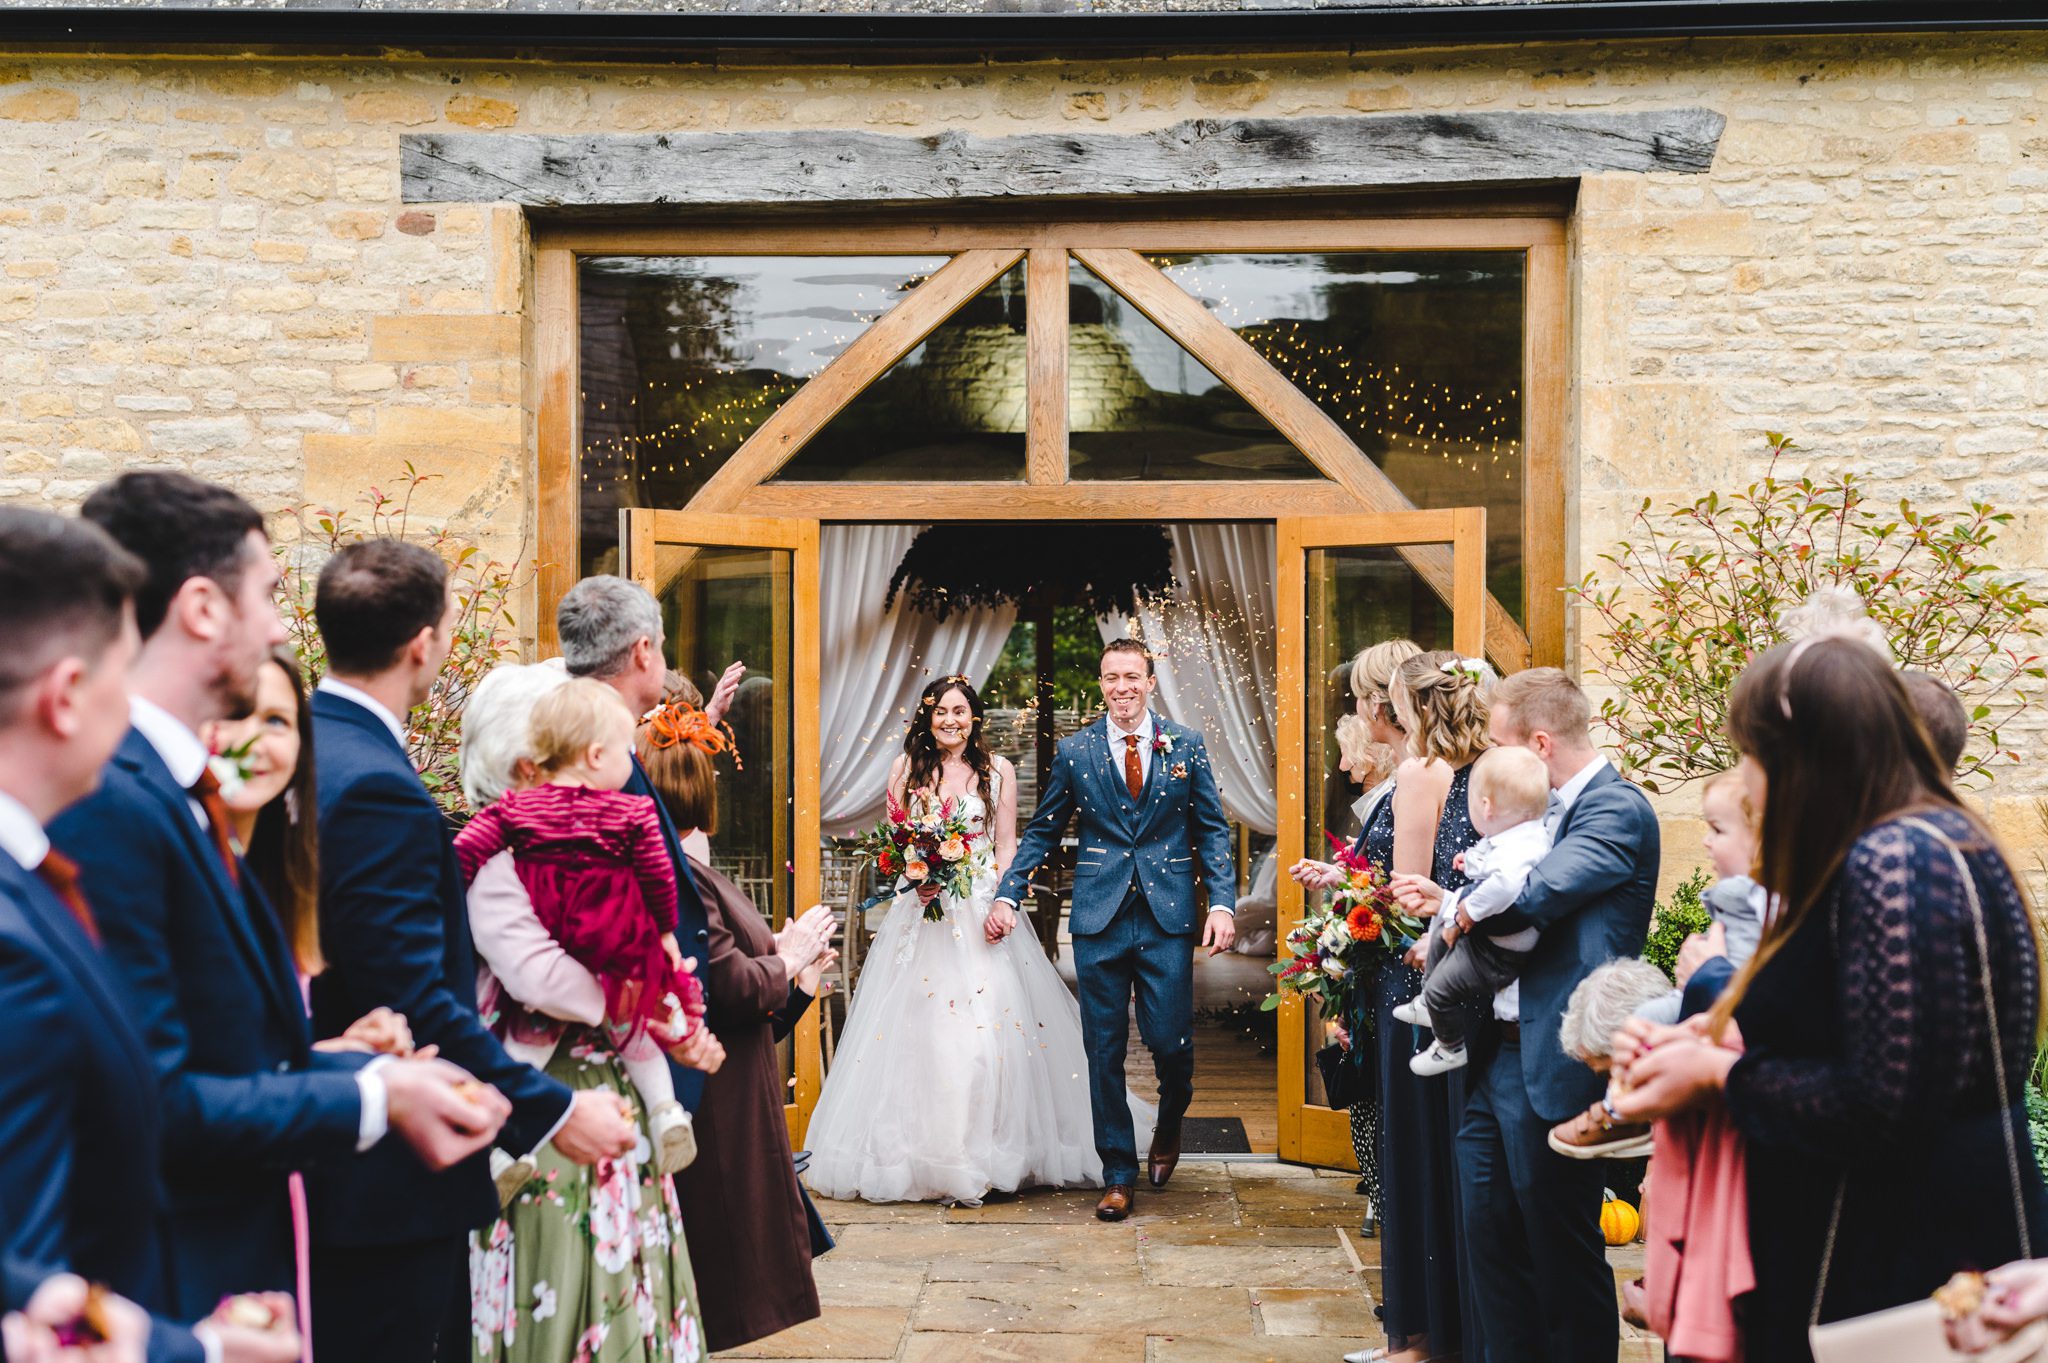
<point>1335,968</point>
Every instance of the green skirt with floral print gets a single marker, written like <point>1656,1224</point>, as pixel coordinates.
<point>588,1265</point>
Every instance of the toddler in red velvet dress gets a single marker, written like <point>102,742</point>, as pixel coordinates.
<point>593,862</point>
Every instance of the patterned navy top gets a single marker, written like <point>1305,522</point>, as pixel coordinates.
<point>1454,832</point>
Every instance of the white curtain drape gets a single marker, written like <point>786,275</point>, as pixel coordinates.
<point>876,662</point>
<point>1217,669</point>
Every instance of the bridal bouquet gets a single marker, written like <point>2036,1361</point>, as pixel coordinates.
<point>927,842</point>
<point>1330,945</point>
<point>1367,905</point>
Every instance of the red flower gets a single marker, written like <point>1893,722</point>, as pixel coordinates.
<point>1364,922</point>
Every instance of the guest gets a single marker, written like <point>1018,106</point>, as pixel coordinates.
<point>1532,1217</point>
<point>1417,829</point>
<point>204,968</point>
<point>1861,1039</point>
<point>611,630</point>
<point>1369,763</point>
<point>390,1249</point>
<point>573,1244</point>
<point>80,1117</point>
<point>748,1228</point>
<point>1941,713</point>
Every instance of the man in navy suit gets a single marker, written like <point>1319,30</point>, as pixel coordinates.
<point>80,1117</point>
<point>203,964</point>
<point>611,630</point>
<point>391,1239</point>
<point>1149,813</point>
<point>1532,1217</point>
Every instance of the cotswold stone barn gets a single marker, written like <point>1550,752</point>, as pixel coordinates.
<point>1384,318</point>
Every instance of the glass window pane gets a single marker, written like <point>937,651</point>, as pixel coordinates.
<point>684,356</point>
<point>1140,407</point>
<point>952,409</point>
<point>1417,355</point>
<point>1355,598</point>
<point>724,604</point>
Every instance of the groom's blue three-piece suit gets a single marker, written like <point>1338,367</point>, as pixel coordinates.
<point>1134,911</point>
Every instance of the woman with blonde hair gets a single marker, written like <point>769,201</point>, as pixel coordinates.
<point>1435,703</point>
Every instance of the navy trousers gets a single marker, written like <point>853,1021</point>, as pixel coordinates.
<point>1532,1228</point>
<point>1134,956</point>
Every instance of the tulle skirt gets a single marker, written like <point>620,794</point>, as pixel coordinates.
<point>960,1071</point>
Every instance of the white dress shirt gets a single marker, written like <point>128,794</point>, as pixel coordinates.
<point>21,836</point>
<point>185,756</point>
<point>1507,1004</point>
<point>1143,732</point>
<point>367,701</point>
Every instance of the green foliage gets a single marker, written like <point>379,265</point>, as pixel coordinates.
<point>484,633</point>
<point>1676,919</point>
<point>1077,664</point>
<point>1703,588</point>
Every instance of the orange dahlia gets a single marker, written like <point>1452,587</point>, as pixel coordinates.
<point>1364,923</point>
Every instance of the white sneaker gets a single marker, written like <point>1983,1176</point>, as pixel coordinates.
<point>1412,1013</point>
<point>675,1137</point>
<point>512,1176</point>
<point>1438,1058</point>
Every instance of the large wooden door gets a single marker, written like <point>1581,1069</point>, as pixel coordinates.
<point>746,588</point>
<point>1346,582</point>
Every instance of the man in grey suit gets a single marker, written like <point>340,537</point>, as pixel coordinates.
<point>1532,1217</point>
<point>1149,813</point>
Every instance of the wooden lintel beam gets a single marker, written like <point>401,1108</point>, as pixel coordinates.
<point>1233,359</point>
<point>1210,156</point>
<point>888,339</point>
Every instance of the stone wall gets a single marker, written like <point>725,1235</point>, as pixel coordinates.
<point>204,262</point>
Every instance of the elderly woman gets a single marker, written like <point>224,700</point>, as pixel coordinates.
<point>588,1264</point>
<point>748,1224</point>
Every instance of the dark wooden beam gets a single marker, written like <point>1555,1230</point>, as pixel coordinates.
<point>764,169</point>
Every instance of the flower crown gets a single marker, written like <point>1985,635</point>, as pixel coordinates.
<point>681,724</point>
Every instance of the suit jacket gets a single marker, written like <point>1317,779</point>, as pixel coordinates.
<point>1591,898</point>
<point>395,931</point>
<point>1153,841</point>
<point>693,930</point>
<point>206,976</point>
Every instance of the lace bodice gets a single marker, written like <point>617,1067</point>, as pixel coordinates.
<point>1866,1033</point>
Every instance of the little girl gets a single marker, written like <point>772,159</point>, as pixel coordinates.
<point>593,862</point>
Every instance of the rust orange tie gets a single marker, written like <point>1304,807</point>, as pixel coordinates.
<point>206,790</point>
<point>60,873</point>
<point>1134,774</point>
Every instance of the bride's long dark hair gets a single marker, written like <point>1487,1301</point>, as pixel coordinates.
<point>922,747</point>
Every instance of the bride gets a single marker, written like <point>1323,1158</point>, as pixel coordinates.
<point>960,1070</point>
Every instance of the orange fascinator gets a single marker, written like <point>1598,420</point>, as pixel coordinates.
<point>682,724</point>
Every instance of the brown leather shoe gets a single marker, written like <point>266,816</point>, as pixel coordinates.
<point>1165,1155</point>
<point>1115,1204</point>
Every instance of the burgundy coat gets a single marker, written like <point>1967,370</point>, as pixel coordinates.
<point>750,1242</point>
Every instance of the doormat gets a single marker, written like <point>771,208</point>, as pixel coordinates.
<point>1213,1136</point>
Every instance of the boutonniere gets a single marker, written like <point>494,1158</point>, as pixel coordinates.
<point>1162,741</point>
<point>1179,771</point>
<point>234,767</point>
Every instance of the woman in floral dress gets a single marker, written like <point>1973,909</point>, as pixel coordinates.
<point>587,1264</point>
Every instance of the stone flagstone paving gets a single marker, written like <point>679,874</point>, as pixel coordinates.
<point>1236,1262</point>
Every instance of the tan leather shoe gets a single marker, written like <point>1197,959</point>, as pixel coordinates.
<point>1164,1157</point>
<point>1597,1133</point>
<point>1115,1204</point>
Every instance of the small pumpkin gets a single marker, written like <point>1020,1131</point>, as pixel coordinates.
<point>1620,1223</point>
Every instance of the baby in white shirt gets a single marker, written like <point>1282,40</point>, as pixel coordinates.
<point>1509,795</point>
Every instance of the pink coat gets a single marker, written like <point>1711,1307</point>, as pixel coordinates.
<point>1698,1256</point>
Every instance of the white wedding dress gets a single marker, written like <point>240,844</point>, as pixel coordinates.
<point>960,1070</point>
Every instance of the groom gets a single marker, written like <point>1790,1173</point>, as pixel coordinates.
<point>1149,812</point>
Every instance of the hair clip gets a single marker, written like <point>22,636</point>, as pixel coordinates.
<point>681,723</point>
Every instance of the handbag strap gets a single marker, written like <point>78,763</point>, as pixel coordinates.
<point>2012,1157</point>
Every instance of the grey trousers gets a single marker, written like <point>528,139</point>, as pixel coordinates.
<point>1459,982</point>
